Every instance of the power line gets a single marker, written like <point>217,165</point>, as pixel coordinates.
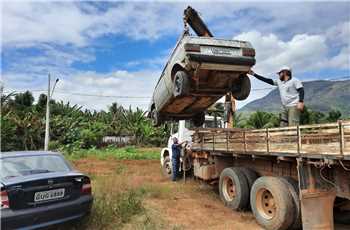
<point>141,97</point>
<point>85,94</point>
<point>99,95</point>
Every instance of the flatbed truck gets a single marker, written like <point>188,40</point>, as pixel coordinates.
<point>290,177</point>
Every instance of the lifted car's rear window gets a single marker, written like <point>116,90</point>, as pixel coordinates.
<point>29,165</point>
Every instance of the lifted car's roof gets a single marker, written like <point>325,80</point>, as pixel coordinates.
<point>26,153</point>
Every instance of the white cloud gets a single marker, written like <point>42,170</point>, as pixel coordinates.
<point>303,52</point>
<point>306,36</point>
<point>35,22</point>
<point>27,23</point>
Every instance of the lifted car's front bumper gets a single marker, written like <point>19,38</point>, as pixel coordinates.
<point>39,217</point>
<point>244,61</point>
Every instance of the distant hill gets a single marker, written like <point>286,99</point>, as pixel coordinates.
<point>320,96</point>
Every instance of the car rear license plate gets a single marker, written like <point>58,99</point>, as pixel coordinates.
<point>49,195</point>
<point>220,51</point>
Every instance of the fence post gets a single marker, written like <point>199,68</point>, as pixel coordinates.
<point>299,139</point>
<point>341,137</point>
<point>227,141</point>
<point>245,143</point>
<point>267,141</point>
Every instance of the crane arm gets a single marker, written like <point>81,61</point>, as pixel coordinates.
<point>194,20</point>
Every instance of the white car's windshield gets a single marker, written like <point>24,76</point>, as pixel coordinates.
<point>28,165</point>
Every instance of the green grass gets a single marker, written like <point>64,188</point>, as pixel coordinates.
<point>126,153</point>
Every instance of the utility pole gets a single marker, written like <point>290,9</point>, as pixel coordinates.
<point>47,119</point>
<point>1,91</point>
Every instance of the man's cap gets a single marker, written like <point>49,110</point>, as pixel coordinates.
<point>284,68</point>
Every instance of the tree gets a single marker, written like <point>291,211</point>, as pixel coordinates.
<point>262,119</point>
<point>333,116</point>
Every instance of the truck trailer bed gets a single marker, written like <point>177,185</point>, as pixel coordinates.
<point>324,141</point>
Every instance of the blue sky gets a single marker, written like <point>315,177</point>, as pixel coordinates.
<point>120,48</point>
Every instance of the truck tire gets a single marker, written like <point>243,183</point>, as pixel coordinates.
<point>241,90</point>
<point>251,177</point>
<point>233,188</point>
<point>272,203</point>
<point>250,174</point>
<point>294,191</point>
<point>342,217</point>
<point>181,84</point>
<point>166,167</point>
<point>198,119</point>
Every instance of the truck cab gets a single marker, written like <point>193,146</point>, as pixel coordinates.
<point>184,130</point>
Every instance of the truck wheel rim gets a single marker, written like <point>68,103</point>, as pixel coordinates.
<point>265,204</point>
<point>229,189</point>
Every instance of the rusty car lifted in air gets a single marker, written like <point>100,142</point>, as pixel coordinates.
<point>200,70</point>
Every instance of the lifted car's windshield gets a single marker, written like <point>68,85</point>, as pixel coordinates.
<point>28,165</point>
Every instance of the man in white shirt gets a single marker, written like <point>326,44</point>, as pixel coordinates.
<point>291,92</point>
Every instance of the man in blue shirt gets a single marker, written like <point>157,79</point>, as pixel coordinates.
<point>175,159</point>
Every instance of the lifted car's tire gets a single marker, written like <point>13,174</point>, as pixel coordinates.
<point>294,191</point>
<point>156,118</point>
<point>241,90</point>
<point>198,119</point>
<point>233,188</point>
<point>272,203</point>
<point>181,84</point>
<point>166,167</point>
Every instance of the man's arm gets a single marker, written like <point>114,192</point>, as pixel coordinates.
<point>301,94</point>
<point>300,88</point>
<point>180,144</point>
<point>261,78</point>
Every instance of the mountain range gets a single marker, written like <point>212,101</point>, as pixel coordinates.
<point>320,95</point>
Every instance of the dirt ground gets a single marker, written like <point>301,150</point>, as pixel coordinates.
<point>178,205</point>
<point>169,205</point>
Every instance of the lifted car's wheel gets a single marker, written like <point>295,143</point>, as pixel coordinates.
<point>156,118</point>
<point>166,167</point>
<point>233,188</point>
<point>272,203</point>
<point>198,119</point>
<point>241,90</point>
<point>181,84</point>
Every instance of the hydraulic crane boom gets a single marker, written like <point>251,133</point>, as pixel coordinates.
<point>194,20</point>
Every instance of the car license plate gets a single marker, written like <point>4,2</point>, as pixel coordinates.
<point>220,51</point>
<point>49,195</point>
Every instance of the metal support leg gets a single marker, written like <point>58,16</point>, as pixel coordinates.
<point>317,198</point>
<point>317,210</point>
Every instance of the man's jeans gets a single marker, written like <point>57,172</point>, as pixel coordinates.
<point>175,161</point>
